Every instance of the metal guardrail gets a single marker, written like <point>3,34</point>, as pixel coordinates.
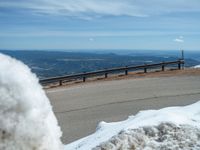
<point>83,76</point>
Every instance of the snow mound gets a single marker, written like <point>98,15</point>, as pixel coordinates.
<point>198,66</point>
<point>163,136</point>
<point>27,121</point>
<point>167,128</point>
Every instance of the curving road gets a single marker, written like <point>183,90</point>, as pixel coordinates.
<point>80,108</point>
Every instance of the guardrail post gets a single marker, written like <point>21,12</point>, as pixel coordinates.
<point>106,75</point>
<point>145,69</point>
<point>126,71</point>
<point>163,66</point>
<point>84,79</point>
<point>60,82</point>
<point>179,65</point>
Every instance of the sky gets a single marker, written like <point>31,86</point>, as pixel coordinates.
<point>99,24</point>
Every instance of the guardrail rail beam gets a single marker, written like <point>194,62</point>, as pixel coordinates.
<point>126,69</point>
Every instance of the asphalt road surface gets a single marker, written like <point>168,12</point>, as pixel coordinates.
<point>80,108</point>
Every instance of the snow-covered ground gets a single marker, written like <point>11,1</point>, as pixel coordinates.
<point>171,128</point>
<point>197,66</point>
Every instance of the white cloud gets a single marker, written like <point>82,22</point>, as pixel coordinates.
<point>95,8</point>
<point>77,8</point>
<point>180,39</point>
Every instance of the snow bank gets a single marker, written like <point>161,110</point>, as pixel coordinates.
<point>164,136</point>
<point>198,66</point>
<point>168,128</point>
<point>26,118</point>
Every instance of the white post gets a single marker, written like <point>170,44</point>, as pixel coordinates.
<point>182,54</point>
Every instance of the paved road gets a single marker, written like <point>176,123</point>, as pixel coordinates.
<point>80,108</point>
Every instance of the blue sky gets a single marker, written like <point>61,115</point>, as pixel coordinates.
<point>100,24</point>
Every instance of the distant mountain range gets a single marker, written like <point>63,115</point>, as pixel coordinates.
<point>57,63</point>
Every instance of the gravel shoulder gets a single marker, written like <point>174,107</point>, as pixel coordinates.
<point>79,107</point>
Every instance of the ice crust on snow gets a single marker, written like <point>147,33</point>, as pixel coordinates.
<point>27,121</point>
<point>170,128</point>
